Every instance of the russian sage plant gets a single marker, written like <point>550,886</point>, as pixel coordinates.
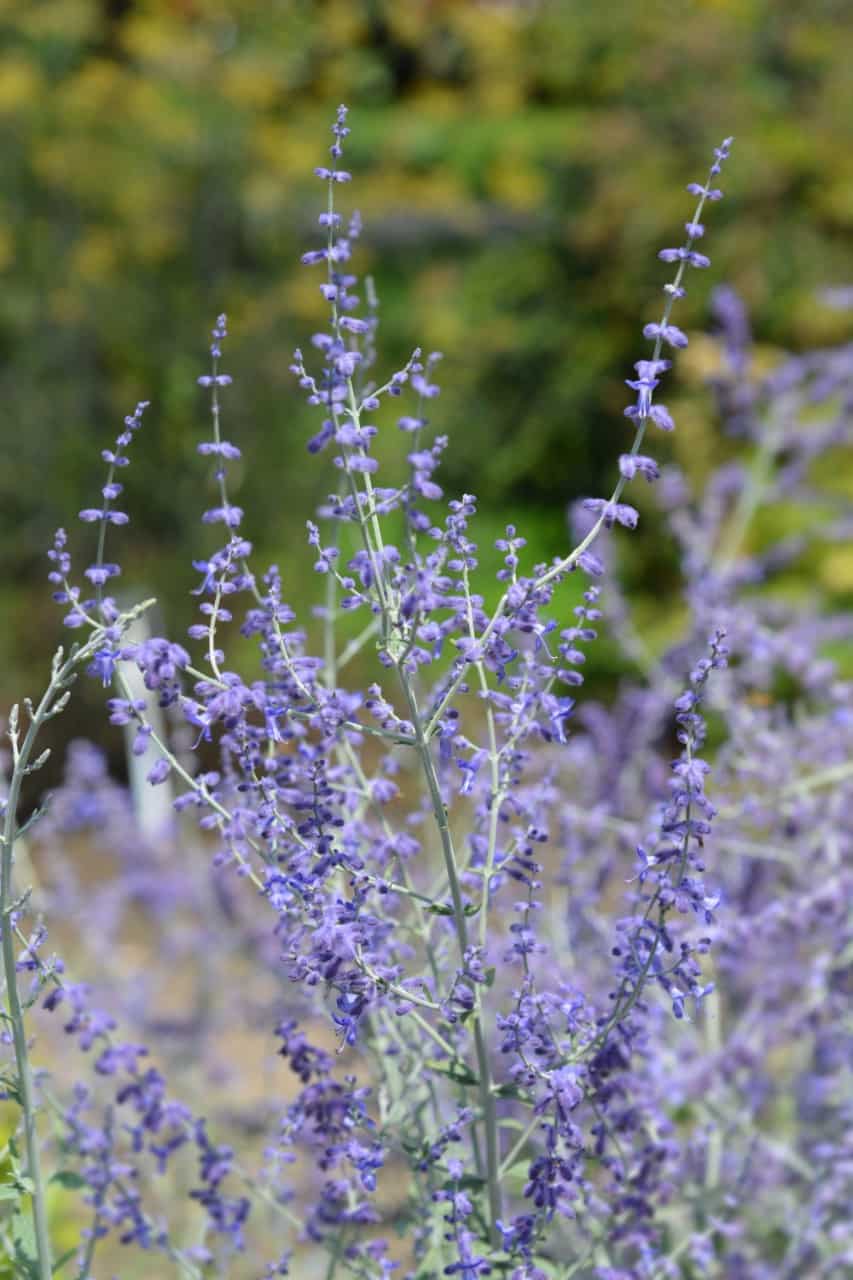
<point>498,1069</point>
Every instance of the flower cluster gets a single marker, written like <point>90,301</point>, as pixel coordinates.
<point>413,843</point>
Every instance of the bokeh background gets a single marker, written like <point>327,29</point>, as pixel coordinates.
<point>518,166</point>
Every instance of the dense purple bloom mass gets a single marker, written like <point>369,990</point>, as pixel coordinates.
<point>542,973</point>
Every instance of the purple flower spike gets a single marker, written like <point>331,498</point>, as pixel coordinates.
<point>663,331</point>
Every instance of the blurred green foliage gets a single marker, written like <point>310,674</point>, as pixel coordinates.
<point>518,166</point>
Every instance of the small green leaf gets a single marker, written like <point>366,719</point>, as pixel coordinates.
<point>508,1091</point>
<point>69,1179</point>
<point>468,1182</point>
<point>60,1262</point>
<point>23,1236</point>
<point>453,1069</point>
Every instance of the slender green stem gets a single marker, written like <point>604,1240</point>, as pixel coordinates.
<point>629,831</point>
<point>21,758</point>
<point>800,787</point>
<point>713,1036</point>
<point>192,782</point>
<point>24,1081</point>
<point>335,1256</point>
<point>52,702</point>
<point>517,1149</point>
<point>496,795</point>
<point>358,642</point>
<point>487,1098</point>
<point>751,495</point>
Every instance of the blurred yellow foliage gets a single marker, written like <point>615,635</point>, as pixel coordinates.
<point>100,87</point>
<point>67,20</point>
<point>276,149</point>
<point>164,45</point>
<point>516,183</point>
<point>251,82</point>
<point>95,257</point>
<point>155,112</point>
<point>836,570</point>
<point>20,85</point>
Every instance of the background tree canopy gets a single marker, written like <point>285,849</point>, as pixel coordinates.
<point>518,166</point>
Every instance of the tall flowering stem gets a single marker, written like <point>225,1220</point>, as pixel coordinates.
<point>398,633</point>
<point>402,596</point>
<point>22,754</point>
<point>484,1075</point>
<point>64,671</point>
